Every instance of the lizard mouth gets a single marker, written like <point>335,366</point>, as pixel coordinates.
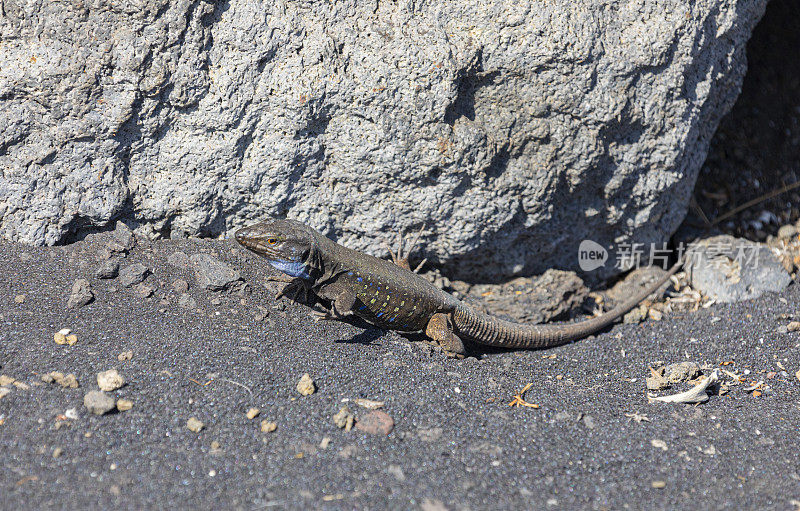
<point>255,243</point>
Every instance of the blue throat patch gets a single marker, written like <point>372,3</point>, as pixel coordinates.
<point>291,268</point>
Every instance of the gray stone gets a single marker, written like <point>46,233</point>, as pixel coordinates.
<point>180,286</point>
<point>186,301</point>
<point>178,259</point>
<point>122,240</point>
<point>512,131</point>
<point>144,290</point>
<point>133,274</point>
<point>213,274</point>
<point>81,294</point>
<point>531,300</point>
<point>733,269</point>
<point>108,269</point>
<point>98,402</point>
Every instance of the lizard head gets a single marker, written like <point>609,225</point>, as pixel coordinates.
<point>288,245</point>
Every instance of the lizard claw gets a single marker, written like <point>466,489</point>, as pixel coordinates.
<point>401,257</point>
<point>321,316</point>
<point>292,290</point>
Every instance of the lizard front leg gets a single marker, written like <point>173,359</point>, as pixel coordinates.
<point>293,288</point>
<point>341,306</point>
<point>440,329</point>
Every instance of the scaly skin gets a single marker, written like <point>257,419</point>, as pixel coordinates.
<point>395,298</point>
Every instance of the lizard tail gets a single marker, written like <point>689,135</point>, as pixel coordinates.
<point>484,329</point>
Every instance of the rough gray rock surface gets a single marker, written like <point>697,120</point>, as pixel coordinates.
<point>98,402</point>
<point>81,294</point>
<point>734,269</point>
<point>512,131</point>
<point>108,269</point>
<point>133,274</point>
<point>213,274</point>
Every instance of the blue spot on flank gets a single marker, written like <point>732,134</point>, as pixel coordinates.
<point>359,279</point>
<point>362,307</point>
<point>350,273</point>
<point>379,314</point>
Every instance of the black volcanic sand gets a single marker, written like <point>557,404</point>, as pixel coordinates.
<point>456,443</point>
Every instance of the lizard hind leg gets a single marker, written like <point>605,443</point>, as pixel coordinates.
<point>341,307</point>
<point>400,257</point>
<point>440,329</point>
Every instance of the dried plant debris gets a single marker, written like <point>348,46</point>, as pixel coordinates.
<point>696,394</point>
<point>369,403</point>
<point>656,380</point>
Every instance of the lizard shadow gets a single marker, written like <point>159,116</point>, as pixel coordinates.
<point>367,336</point>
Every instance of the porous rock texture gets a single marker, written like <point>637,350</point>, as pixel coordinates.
<point>511,130</point>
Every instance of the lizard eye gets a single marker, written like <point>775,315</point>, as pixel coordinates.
<point>272,241</point>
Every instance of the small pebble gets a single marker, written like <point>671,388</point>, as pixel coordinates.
<point>110,380</point>
<point>6,380</point>
<point>180,286</point>
<point>187,302</point>
<point>658,484</point>
<point>123,405</point>
<point>253,413</point>
<point>376,422</point>
<point>268,427</point>
<point>68,382</point>
<point>344,419</point>
<point>98,402</point>
<point>794,326</point>
<point>19,299</point>
<point>107,270</point>
<point>65,336</point>
<point>144,290</point>
<point>306,385</point>
<point>659,444</point>
<point>178,259</point>
<point>60,337</point>
<point>787,231</point>
<point>397,472</point>
<point>125,355</point>
<point>326,441</point>
<point>215,446</point>
<point>194,425</point>
<point>57,452</point>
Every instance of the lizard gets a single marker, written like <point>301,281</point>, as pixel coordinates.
<point>390,296</point>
